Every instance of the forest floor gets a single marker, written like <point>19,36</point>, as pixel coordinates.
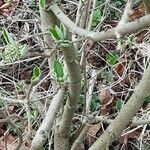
<point>119,67</point>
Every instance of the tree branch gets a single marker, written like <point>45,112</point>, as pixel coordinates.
<point>44,129</point>
<point>131,27</point>
<point>74,72</point>
<point>115,129</point>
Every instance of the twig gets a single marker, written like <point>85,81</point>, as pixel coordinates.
<point>47,123</point>
<point>143,22</point>
<point>14,126</point>
<point>11,117</point>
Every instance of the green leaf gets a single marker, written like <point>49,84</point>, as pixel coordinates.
<point>119,104</point>
<point>36,74</point>
<point>42,3</point>
<point>8,37</point>
<point>59,33</point>
<point>96,17</point>
<point>147,99</point>
<point>111,59</point>
<point>63,29</point>
<point>58,69</point>
<point>95,105</point>
<point>54,34</point>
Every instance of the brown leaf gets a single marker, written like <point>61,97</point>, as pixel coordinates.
<point>105,97</point>
<point>6,8</point>
<point>2,145</point>
<point>132,135</point>
<point>141,35</point>
<point>92,134</point>
<point>9,138</point>
<point>94,129</point>
<point>119,68</point>
<point>136,13</point>
<point>142,8</point>
<point>104,110</point>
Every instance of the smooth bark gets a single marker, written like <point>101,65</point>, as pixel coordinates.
<point>46,125</point>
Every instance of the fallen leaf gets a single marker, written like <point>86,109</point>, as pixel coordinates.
<point>138,12</point>
<point>131,135</point>
<point>92,134</point>
<point>106,98</point>
<point>119,68</point>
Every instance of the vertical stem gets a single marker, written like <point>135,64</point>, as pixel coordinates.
<point>74,72</point>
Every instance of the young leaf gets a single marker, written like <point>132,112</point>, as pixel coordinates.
<point>54,34</point>
<point>111,59</point>
<point>63,29</point>
<point>96,17</point>
<point>8,38</point>
<point>58,69</point>
<point>36,74</point>
<point>42,3</point>
<point>59,33</point>
<point>119,104</point>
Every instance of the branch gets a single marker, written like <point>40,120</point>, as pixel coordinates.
<point>143,22</point>
<point>126,14</point>
<point>115,129</point>
<point>44,129</point>
<point>74,72</point>
<point>81,136</point>
<point>125,17</point>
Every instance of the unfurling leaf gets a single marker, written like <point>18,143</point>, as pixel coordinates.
<point>36,74</point>
<point>54,34</point>
<point>64,31</point>
<point>58,69</point>
<point>96,17</point>
<point>119,104</point>
<point>111,59</point>
<point>59,33</point>
<point>8,37</point>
